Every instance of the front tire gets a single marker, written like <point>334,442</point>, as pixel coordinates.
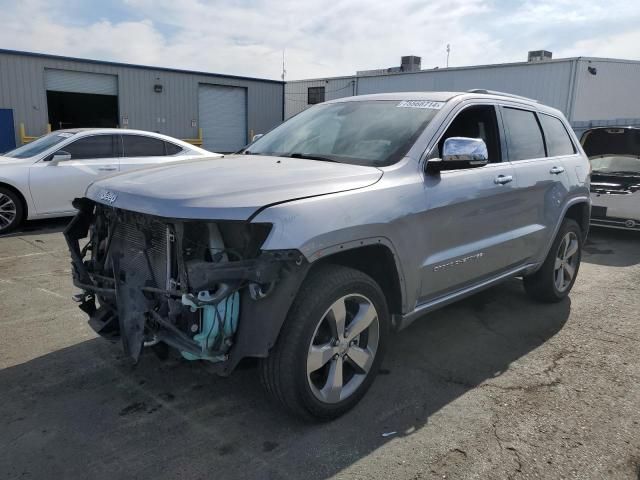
<point>330,346</point>
<point>11,211</point>
<point>554,280</point>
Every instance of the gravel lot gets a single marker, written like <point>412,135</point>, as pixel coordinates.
<point>493,387</point>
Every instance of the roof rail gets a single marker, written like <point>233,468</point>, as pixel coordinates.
<point>502,94</point>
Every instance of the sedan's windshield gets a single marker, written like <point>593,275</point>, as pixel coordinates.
<point>619,164</point>
<point>375,133</point>
<point>38,146</point>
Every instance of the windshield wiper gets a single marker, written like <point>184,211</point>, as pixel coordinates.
<point>310,157</point>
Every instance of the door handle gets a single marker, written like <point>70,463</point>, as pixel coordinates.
<point>107,168</point>
<point>556,170</point>
<point>502,179</point>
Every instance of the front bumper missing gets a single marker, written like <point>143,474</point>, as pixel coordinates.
<point>123,304</point>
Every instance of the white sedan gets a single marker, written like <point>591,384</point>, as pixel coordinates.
<point>41,179</point>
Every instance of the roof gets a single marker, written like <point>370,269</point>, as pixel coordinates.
<point>130,65</point>
<point>399,96</point>
<point>130,131</point>
<point>446,96</point>
<point>434,96</point>
<point>472,67</point>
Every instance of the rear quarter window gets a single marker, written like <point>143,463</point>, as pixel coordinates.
<point>524,138</point>
<point>141,146</point>
<point>172,148</point>
<point>556,135</point>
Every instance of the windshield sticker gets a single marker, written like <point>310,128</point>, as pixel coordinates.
<point>65,135</point>
<point>420,104</point>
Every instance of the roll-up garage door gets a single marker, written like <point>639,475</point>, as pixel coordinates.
<point>81,82</point>
<point>223,117</point>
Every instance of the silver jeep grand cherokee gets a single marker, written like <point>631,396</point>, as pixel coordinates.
<point>353,218</point>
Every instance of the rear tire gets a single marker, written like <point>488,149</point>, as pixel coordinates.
<point>554,280</point>
<point>331,344</point>
<point>11,210</point>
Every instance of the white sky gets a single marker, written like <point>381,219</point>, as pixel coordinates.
<point>321,38</point>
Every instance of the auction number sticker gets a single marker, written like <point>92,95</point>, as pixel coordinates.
<point>420,104</point>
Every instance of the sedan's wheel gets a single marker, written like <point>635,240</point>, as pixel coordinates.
<point>10,210</point>
<point>343,348</point>
<point>554,280</point>
<point>331,345</point>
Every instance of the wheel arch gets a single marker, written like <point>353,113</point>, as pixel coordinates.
<point>21,197</point>
<point>581,213</point>
<point>578,209</point>
<point>376,258</point>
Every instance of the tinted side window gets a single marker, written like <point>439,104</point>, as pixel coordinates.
<point>96,146</point>
<point>556,136</point>
<point>524,138</point>
<point>139,146</point>
<point>172,148</point>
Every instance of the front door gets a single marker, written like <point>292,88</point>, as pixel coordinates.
<point>468,226</point>
<point>54,186</point>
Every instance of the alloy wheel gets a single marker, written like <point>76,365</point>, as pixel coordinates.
<point>7,211</point>
<point>566,261</point>
<point>343,348</point>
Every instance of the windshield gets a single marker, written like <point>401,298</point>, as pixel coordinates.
<point>616,164</point>
<point>38,146</point>
<point>375,133</point>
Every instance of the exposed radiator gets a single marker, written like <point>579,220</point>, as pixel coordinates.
<point>142,248</point>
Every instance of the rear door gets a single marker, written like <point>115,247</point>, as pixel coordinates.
<point>542,179</point>
<point>141,151</point>
<point>54,186</point>
<point>468,230</point>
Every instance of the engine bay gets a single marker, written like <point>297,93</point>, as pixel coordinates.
<point>148,280</point>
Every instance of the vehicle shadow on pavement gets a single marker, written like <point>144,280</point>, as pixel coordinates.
<point>39,227</point>
<point>85,411</point>
<point>612,248</point>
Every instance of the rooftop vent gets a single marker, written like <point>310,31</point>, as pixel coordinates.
<point>410,63</point>
<point>539,55</point>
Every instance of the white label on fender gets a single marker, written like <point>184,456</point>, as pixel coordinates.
<point>420,104</point>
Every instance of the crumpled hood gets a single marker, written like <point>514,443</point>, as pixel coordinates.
<point>230,188</point>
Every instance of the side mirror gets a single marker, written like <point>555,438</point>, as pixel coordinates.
<point>459,153</point>
<point>59,156</point>
<point>257,136</point>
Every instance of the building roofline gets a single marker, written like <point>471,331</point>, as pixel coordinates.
<point>131,65</point>
<point>472,67</point>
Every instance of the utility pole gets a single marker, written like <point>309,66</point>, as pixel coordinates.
<point>284,72</point>
<point>448,50</point>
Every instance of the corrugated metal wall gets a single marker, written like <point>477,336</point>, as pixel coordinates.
<point>548,82</point>
<point>22,88</point>
<point>296,92</point>
<point>612,93</point>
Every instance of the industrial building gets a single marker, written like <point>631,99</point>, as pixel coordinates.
<point>590,91</point>
<point>41,92</point>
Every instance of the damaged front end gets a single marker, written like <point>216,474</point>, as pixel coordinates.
<point>204,288</point>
